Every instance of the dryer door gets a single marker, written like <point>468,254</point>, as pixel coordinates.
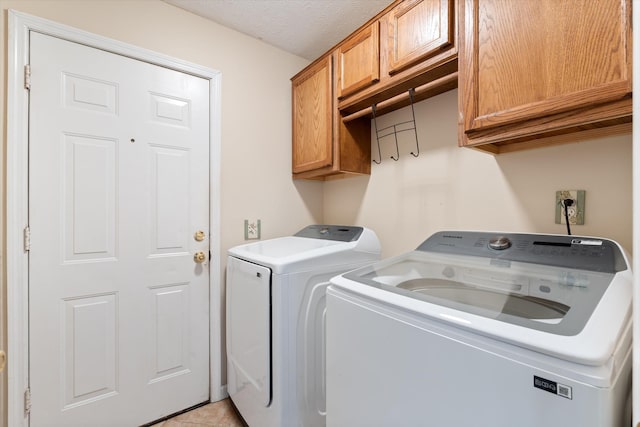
<point>248,333</point>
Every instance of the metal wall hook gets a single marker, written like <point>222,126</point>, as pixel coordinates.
<point>395,130</point>
<point>375,125</point>
<point>397,157</point>
<point>412,92</point>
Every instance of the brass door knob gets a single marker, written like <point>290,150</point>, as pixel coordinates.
<point>3,359</point>
<point>199,257</point>
<point>199,236</point>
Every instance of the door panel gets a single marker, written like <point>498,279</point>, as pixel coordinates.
<point>170,221</point>
<point>118,185</point>
<point>89,344</point>
<point>87,93</point>
<point>171,330</point>
<point>89,207</point>
<point>249,332</point>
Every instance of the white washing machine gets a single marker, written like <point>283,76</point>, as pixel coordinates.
<point>483,329</point>
<point>276,321</point>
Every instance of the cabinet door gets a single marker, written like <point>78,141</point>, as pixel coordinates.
<point>528,59</point>
<point>312,113</point>
<point>418,29</point>
<point>359,61</point>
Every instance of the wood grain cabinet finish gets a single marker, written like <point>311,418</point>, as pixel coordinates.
<point>359,60</point>
<point>312,111</point>
<point>418,29</point>
<point>323,145</point>
<point>418,50</point>
<point>411,44</point>
<point>538,72</point>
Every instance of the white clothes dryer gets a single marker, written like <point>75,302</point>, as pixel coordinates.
<point>275,300</point>
<point>483,329</point>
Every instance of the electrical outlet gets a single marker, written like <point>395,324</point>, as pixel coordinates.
<point>576,211</point>
<point>251,229</point>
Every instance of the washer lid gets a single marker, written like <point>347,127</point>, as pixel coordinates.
<point>562,295</point>
<point>557,300</point>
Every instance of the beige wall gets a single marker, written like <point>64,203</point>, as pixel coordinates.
<point>256,105</point>
<point>404,201</point>
<point>448,187</point>
<point>256,100</point>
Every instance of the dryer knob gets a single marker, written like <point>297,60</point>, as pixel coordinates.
<point>500,243</point>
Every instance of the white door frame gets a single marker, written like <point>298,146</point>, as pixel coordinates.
<point>636,223</point>
<point>16,175</point>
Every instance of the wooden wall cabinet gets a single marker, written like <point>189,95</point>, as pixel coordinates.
<point>323,145</point>
<point>359,60</point>
<point>412,44</point>
<point>418,49</point>
<point>538,72</point>
<point>312,111</point>
<point>418,29</point>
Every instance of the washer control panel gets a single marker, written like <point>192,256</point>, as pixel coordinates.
<point>585,253</point>
<point>500,243</point>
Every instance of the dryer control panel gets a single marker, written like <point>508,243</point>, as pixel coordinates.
<point>341,233</point>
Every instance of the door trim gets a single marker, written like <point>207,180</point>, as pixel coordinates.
<point>16,198</point>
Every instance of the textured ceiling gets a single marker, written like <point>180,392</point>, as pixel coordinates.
<point>306,28</point>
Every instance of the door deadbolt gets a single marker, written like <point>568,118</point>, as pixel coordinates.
<point>199,236</point>
<point>199,257</point>
<point>3,359</point>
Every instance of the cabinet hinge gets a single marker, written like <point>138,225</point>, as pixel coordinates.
<point>27,238</point>
<point>27,77</point>
<point>27,401</point>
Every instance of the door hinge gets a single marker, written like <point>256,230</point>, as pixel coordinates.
<point>27,238</point>
<point>27,76</point>
<point>27,401</point>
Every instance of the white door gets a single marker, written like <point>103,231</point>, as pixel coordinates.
<point>118,187</point>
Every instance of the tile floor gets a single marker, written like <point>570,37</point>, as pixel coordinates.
<point>218,414</point>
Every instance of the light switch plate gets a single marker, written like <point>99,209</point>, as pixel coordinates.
<point>251,229</point>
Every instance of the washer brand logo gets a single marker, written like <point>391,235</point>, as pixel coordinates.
<point>552,387</point>
<point>450,236</point>
<point>545,385</point>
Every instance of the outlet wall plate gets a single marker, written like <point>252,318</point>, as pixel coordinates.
<point>576,212</point>
<point>251,229</point>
